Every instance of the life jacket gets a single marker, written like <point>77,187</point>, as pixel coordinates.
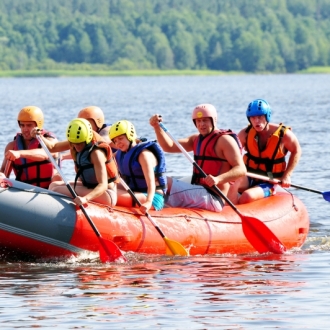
<point>85,168</point>
<point>205,155</point>
<point>103,126</point>
<point>36,173</point>
<point>271,161</point>
<point>131,170</point>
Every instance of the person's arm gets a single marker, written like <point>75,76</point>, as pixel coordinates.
<point>52,144</point>
<point>291,143</point>
<point>227,148</point>
<point>242,135</point>
<point>37,154</point>
<point>66,156</point>
<point>98,159</point>
<point>165,141</point>
<point>9,146</point>
<point>31,154</point>
<point>148,162</point>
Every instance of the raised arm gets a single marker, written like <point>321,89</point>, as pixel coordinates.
<point>165,141</point>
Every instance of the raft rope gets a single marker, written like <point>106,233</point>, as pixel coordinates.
<point>292,197</point>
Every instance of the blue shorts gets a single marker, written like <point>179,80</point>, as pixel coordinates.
<point>158,201</point>
<point>268,188</point>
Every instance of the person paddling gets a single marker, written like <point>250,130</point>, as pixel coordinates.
<point>216,151</point>
<point>266,145</point>
<point>96,170</point>
<point>30,162</point>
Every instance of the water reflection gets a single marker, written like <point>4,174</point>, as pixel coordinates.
<point>200,287</point>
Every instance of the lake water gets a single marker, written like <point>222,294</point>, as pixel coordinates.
<point>288,291</point>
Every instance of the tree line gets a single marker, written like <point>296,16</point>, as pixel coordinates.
<point>243,35</point>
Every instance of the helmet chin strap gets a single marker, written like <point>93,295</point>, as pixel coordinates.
<point>266,126</point>
<point>130,146</point>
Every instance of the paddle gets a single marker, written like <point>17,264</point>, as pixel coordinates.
<point>8,168</point>
<point>108,251</point>
<point>172,247</point>
<point>256,232</point>
<point>326,194</point>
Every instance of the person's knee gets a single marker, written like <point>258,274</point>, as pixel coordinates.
<point>52,186</point>
<point>245,198</point>
<point>55,186</point>
<point>56,177</point>
<point>251,195</point>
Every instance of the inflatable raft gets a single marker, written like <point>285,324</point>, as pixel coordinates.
<point>38,224</point>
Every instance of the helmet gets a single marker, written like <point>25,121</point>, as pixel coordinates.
<point>123,127</point>
<point>93,112</point>
<point>79,130</point>
<point>205,110</point>
<point>259,107</point>
<point>31,113</point>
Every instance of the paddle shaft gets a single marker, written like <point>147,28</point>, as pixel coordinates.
<point>184,151</point>
<point>73,193</point>
<point>8,168</point>
<point>265,178</point>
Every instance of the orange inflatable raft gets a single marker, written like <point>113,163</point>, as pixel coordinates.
<point>38,224</point>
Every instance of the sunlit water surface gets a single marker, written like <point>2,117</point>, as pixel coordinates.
<point>288,291</point>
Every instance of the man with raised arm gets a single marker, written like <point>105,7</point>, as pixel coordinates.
<point>216,151</point>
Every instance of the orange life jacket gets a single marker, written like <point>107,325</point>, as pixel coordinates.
<point>271,161</point>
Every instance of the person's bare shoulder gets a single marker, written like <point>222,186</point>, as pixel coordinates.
<point>10,146</point>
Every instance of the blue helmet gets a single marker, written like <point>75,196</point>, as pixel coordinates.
<point>259,107</point>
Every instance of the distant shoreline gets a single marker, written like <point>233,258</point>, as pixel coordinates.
<point>117,73</point>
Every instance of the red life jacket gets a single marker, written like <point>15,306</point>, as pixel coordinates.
<point>205,156</point>
<point>36,173</point>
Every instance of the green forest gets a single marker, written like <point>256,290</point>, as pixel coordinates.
<point>278,36</point>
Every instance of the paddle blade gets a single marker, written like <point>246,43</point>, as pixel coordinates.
<point>260,236</point>
<point>326,195</point>
<point>175,248</point>
<point>110,252</point>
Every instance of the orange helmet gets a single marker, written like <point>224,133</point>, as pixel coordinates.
<point>93,112</point>
<point>31,113</point>
<point>205,110</point>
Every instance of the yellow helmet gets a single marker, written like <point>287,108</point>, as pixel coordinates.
<point>79,130</point>
<point>31,113</point>
<point>93,112</point>
<point>123,127</point>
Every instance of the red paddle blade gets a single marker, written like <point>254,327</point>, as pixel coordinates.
<point>110,252</point>
<point>260,236</point>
